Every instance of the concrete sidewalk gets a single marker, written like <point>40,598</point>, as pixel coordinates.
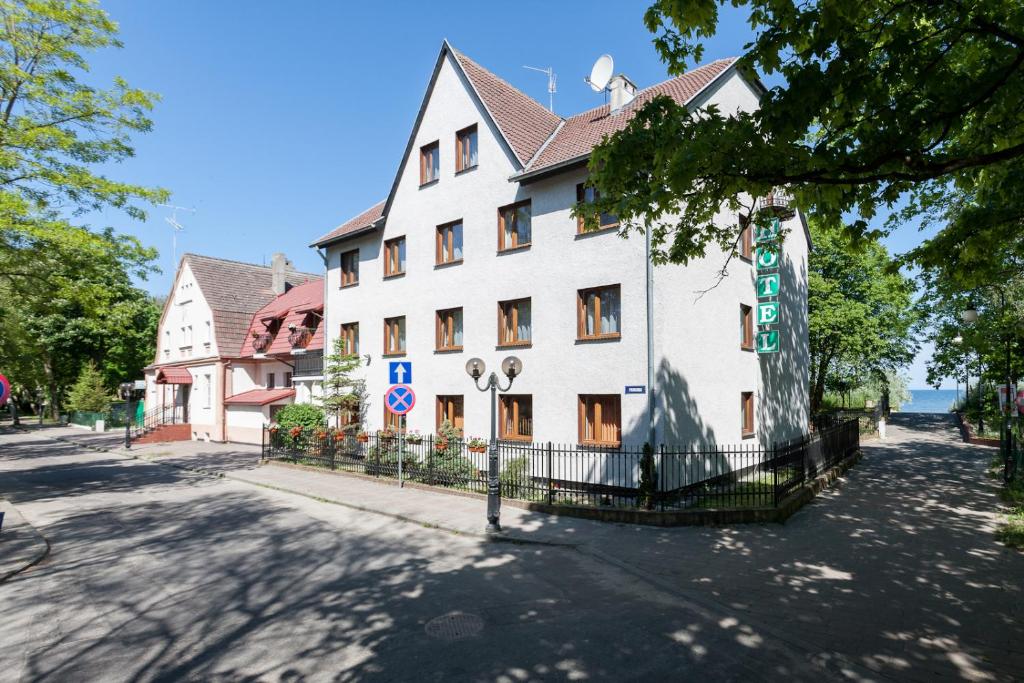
<point>458,514</point>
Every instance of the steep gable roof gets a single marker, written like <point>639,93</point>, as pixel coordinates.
<point>234,291</point>
<point>582,132</point>
<point>363,221</point>
<point>523,121</point>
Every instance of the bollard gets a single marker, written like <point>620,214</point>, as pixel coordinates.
<point>881,428</point>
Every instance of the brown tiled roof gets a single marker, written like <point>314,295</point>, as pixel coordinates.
<point>360,222</point>
<point>259,397</point>
<point>524,121</point>
<point>235,291</point>
<point>582,132</point>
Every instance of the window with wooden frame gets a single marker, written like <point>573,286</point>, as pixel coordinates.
<point>516,417</point>
<point>271,381</point>
<point>448,330</point>
<point>747,413</point>
<point>587,195</point>
<point>349,416</point>
<point>599,313</point>
<point>450,408</point>
<point>465,149</point>
<point>746,239</point>
<point>394,257</point>
<point>600,422</point>
<point>288,380</point>
<point>746,327</point>
<point>514,226</point>
<point>350,268</point>
<point>394,335</point>
<point>515,326</point>
<point>449,243</point>
<point>391,421</point>
<point>350,338</point>
<point>430,163</point>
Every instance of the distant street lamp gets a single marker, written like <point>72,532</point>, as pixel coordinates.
<point>512,367</point>
<point>969,315</point>
<point>126,393</point>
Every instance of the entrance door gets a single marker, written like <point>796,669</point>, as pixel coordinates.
<point>184,391</point>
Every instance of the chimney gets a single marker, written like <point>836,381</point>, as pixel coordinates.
<point>279,264</point>
<point>623,91</point>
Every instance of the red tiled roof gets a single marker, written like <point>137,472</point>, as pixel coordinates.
<point>173,375</point>
<point>292,307</point>
<point>258,397</point>
<point>235,291</point>
<point>360,222</point>
<point>582,132</point>
<point>523,121</point>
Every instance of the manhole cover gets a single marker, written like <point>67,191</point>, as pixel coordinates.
<point>454,626</point>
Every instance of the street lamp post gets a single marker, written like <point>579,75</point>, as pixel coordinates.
<point>39,402</point>
<point>126,394</point>
<point>512,367</point>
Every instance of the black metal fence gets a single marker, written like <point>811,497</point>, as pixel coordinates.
<point>747,476</point>
<point>1013,456</point>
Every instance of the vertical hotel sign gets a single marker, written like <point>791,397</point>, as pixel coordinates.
<point>768,285</point>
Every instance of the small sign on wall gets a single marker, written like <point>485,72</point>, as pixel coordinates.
<point>636,389</point>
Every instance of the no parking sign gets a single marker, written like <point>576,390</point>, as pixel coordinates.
<point>5,390</point>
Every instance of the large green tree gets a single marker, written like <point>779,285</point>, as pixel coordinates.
<point>65,286</point>
<point>878,102</point>
<point>861,313</point>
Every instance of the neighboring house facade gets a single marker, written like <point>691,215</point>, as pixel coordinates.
<point>281,361</point>
<point>474,252</point>
<point>205,320</point>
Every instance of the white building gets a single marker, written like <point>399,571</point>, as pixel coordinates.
<point>474,252</point>
<point>204,323</point>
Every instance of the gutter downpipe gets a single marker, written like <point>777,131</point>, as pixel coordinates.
<point>323,257</point>
<point>650,341</point>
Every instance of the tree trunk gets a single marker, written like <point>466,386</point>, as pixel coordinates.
<point>51,388</point>
<point>818,383</point>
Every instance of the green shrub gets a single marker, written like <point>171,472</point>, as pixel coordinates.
<point>300,415</point>
<point>648,478</point>
<point>515,479</point>
<point>89,395</point>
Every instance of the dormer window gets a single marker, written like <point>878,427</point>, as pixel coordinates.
<point>465,149</point>
<point>430,163</point>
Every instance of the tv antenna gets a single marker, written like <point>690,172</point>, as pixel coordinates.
<point>176,227</point>
<point>552,83</point>
<point>601,74</point>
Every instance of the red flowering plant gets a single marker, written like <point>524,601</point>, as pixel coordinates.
<point>295,432</point>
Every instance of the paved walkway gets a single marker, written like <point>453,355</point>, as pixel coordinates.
<point>893,573</point>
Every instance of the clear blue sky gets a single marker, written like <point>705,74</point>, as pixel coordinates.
<point>281,120</point>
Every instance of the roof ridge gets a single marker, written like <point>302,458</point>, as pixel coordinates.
<point>641,91</point>
<point>241,263</point>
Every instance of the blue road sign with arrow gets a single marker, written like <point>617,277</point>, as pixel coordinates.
<point>400,399</point>
<point>400,371</point>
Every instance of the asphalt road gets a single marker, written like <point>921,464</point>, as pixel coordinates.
<point>160,574</point>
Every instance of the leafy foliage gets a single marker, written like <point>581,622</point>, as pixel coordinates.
<point>648,478</point>
<point>304,415</point>
<point>860,314</point>
<point>89,394</point>
<point>67,290</point>
<point>881,99</point>
<point>344,394</point>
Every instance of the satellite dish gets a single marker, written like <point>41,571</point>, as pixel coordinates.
<point>601,73</point>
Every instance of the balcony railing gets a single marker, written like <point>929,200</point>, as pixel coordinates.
<point>309,365</point>
<point>777,202</point>
<point>261,342</point>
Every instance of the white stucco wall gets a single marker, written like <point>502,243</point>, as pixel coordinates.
<point>701,369</point>
<point>186,307</point>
